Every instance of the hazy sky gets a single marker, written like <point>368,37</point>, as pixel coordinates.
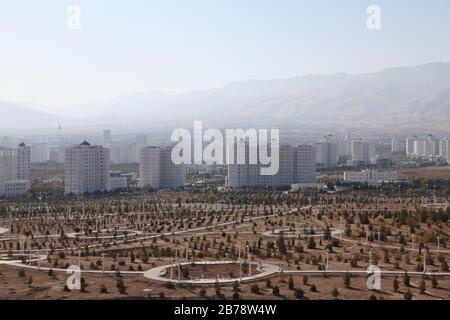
<point>126,46</point>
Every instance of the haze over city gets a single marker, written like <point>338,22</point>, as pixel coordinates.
<point>221,157</point>
<point>154,57</point>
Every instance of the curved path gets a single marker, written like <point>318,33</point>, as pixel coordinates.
<point>266,270</point>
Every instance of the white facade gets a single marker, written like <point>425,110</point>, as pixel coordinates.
<point>410,141</point>
<point>296,165</point>
<point>157,170</point>
<point>327,153</point>
<point>428,147</point>
<point>15,171</point>
<point>115,183</point>
<point>86,169</point>
<point>419,147</point>
<point>443,147</point>
<point>8,165</point>
<point>363,152</point>
<point>14,188</point>
<point>372,177</point>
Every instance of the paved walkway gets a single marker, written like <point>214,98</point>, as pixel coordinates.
<point>158,273</point>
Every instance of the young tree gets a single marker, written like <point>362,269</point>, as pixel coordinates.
<point>103,289</point>
<point>434,282</point>
<point>276,291</point>
<point>347,280</point>
<point>406,279</point>
<point>422,286</point>
<point>311,243</point>
<point>395,285</point>
<point>236,286</point>
<point>291,284</point>
<point>299,293</point>
<point>121,286</point>
<point>408,295</point>
<point>335,292</point>
<point>254,289</point>
<point>281,245</point>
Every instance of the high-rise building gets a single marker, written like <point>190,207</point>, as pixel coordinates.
<point>431,146</point>
<point>443,147</point>
<point>8,165</point>
<point>15,171</point>
<point>296,165</point>
<point>410,145</point>
<point>23,162</point>
<point>86,169</point>
<point>363,152</point>
<point>327,153</point>
<point>157,170</point>
<point>304,164</point>
<point>106,138</point>
<point>419,147</point>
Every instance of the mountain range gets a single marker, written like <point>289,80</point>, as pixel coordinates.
<point>393,98</point>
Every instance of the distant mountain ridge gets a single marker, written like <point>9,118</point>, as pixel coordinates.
<point>410,95</point>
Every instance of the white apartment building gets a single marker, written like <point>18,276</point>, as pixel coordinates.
<point>363,152</point>
<point>419,147</point>
<point>8,165</point>
<point>327,153</point>
<point>426,147</point>
<point>444,150</point>
<point>15,171</point>
<point>410,141</point>
<point>157,170</point>
<point>86,169</point>
<point>372,177</point>
<point>296,165</point>
<point>23,162</point>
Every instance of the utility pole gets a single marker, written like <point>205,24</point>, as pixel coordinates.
<point>424,262</point>
<point>249,262</point>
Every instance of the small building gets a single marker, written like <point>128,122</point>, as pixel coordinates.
<point>14,188</point>
<point>371,177</point>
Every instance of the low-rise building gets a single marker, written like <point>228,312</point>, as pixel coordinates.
<point>372,177</point>
<point>14,187</point>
